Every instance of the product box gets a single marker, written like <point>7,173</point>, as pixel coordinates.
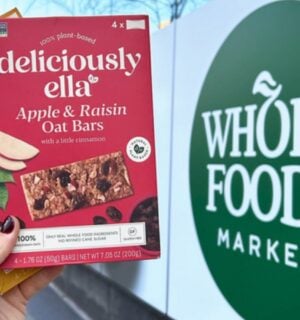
<point>77,152</point>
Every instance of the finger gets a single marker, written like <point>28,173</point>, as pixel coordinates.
<point>8,236</point>
<point>9,311</point>
<point>39,281</point>
<point>21,294</point>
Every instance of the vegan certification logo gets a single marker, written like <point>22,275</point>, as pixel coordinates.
<point>245,165</point>
<point>138,149</point>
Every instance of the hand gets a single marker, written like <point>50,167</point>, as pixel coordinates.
<point>13,303</point>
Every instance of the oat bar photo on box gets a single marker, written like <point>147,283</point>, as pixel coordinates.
<point>76,185</point>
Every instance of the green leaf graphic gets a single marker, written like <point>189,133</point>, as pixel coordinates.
<point>6,176</point>
<point>3,196</point>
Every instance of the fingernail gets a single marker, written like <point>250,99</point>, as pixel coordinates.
<point>7,225</point>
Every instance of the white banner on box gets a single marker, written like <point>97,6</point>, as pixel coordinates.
<point>81,237</point>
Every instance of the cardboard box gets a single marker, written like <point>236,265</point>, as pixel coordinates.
<point>13,13</point>
<point>10,279</point>
<point>77,141</point>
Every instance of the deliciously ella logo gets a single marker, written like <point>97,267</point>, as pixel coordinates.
<point>245,164</point>
<point>65,86</point>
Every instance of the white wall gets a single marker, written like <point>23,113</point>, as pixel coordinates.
<point>193,293</point>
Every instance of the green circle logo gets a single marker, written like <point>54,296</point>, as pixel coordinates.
<point>245,165</point>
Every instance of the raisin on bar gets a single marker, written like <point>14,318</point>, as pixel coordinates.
<point>76,185</point>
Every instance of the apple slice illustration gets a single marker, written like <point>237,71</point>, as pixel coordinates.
<point>11,165</point>
<point>16,149</point>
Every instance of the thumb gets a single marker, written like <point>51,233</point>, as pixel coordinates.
<point>8,236</point>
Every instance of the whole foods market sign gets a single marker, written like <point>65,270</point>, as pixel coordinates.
<point>245,164</point>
